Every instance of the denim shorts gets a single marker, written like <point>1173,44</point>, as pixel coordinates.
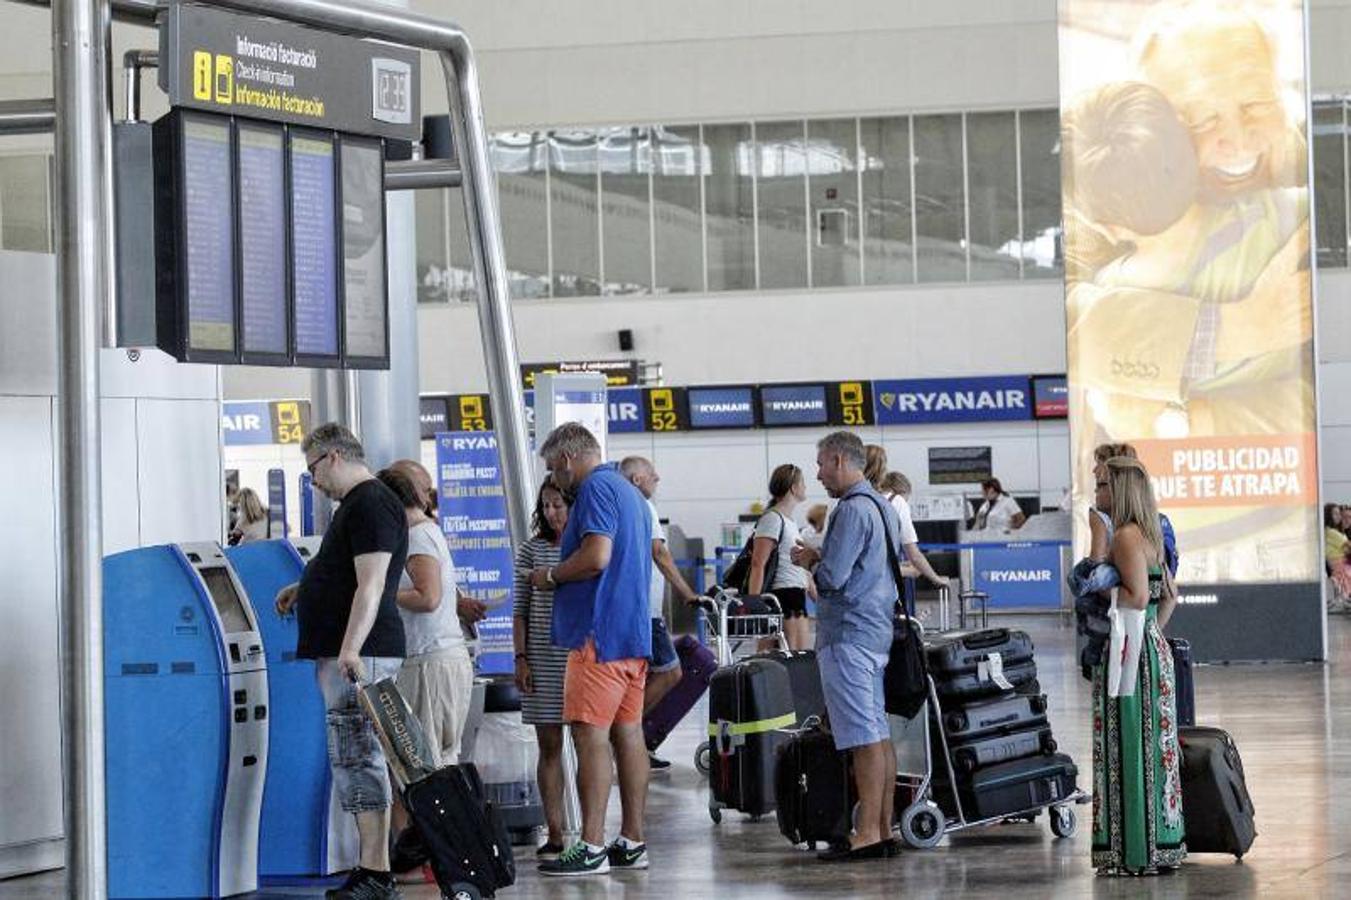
<point>851,679</point>
<point>355,757</point>
<point>663,658</point>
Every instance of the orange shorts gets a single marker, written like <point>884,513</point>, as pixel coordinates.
<point>603,693</point>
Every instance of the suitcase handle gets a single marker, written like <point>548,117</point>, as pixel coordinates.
<point>991,637</point>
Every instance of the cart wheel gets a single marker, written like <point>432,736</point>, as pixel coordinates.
<point>715,814</point>
<point>922,825</point>
<point>703,758</point>
<point>464,891</point>
<point>1062,821</point>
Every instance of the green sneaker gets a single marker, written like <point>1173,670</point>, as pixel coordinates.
<point>576,860</point>
<point>627,857</point>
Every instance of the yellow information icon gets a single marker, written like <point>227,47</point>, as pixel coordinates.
<point>201,75</point>
<point>225,79</point>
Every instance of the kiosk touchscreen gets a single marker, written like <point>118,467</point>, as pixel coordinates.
<point>304,831</point>
<point>186,714</point>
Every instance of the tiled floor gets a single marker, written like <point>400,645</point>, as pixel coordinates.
<point>1291,722</point>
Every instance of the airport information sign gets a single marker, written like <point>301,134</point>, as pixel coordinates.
<point>262,242</point>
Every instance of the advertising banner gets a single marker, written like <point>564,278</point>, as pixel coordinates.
<point>926,400</point>
<point>1185,168</point>
<point>473,511</point>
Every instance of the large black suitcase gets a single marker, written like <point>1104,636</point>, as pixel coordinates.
<point>748,703</point>
<point>1215,802</point>
<point>973,753</point>
<point>809,699</point>
<point>998,715</point>
<point>814,789</point>
<point>1015,787</point>
<point>1184,686</point>
<point>466,841</point>
<point>971,664</point>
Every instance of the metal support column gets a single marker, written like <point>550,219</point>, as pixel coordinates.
<point>80,38</point>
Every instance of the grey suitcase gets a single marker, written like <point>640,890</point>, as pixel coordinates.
<point>970,755</point>
<point>999,715</point>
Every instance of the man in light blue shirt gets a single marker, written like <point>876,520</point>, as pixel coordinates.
<point>855,611</point>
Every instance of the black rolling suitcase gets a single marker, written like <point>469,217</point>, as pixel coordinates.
<point>970,755</point>
<point>809,699</point>
<point>973,664</point>
<point>1215,801</point>
<point>814,789</point>
<point>1184,688</point>
<point>1008,712</point>
<point>748,703</point>
<point>1014,787</point>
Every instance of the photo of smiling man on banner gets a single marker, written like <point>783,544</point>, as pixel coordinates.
<point>1190,319</point>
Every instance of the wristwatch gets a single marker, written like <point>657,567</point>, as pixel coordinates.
<point>549,576</point>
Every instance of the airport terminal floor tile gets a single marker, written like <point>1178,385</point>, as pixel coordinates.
<point>1292,724</point>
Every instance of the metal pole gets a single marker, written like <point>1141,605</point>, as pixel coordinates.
<point>415,174</point>
<point>27,116</point>
<point>80,78</point>
<point>133,61</point>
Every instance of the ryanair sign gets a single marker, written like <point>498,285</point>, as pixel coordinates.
<point>923,400</point>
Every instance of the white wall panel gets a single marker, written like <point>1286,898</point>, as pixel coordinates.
<point>121,476</point>
<point>30,776</point>
<point>182,486</point>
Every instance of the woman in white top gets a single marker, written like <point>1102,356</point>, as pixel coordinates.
<point>775,536</point>
<point>999,512</point>
<point>814,532</point>
<point>896,488</point>
<point>252,522</point>
<point>437,678</point>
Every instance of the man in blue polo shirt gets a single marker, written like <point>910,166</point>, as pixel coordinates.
<point>601,615</point>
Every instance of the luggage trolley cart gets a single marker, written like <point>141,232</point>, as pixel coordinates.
<point>730,631</point>
<point>923,822</point>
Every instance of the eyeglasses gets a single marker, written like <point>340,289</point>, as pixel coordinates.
<point>311,466</point>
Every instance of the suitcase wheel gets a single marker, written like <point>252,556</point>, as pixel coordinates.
<point>922,825</point>
<point>1063,821</point>
<point>463,890</point>
<point>702,762</point>
<point>715,814</point>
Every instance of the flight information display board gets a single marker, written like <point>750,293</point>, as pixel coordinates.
<point>261,150</point>
<point>721,407</point>
<point>365,298</point>
<point>314,262</point>
<point>789,405</point>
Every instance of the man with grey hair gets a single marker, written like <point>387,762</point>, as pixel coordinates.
<point>349,624</point>
<point>663,666</point>
<point>858,595</point>
<point>601,615</point>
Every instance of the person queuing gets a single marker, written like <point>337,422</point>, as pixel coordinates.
<point>663,668</point>
<point>776,534</point>
<point>348,618</point>
<point>251,521</point>
<point>437,676</point>
<point>1138,825</point>
<point>601,615</point>
<point>896,488</point>
<point>854,632</point>
<point>470,611</point>
<point>1336,548</point>
<point>999,512</point>
<point>541,664</point>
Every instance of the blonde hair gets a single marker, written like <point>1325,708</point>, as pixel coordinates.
<point>1104,452</point>
<point>895,483</point>
<point>251,509</point>
<point>874,464</point>
<point>1133,500</point>
<point>816,515</point>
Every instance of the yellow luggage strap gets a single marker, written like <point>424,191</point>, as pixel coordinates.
<point>758,726</point>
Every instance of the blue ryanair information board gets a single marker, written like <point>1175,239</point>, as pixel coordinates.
<point>922,400</point>
<point>473,512</point>
<point>1019,576</point>
<point>626,410</point>
<point>721,407</point>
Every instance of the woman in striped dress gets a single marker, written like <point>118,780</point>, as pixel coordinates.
<point>539,664</point>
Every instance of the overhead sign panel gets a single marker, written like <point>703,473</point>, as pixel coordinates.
<point>721,407</point>
<point>248,65</point>
<point>1050,396</point>
<point>365,299</point>
<point>851,403</point>
<point>793,404</point>
<point>930,400</point>
<point>617,372</point>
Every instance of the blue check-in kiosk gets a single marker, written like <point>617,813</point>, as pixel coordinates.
<point>304,830</point>
<point>186,718</point>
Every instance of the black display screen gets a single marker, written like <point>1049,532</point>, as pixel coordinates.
<point>314,246</point>
<point>208,234</point>
<point>262,239</point>
<point>793,404</point>
<point>228,604</point>
<point>365,310</point>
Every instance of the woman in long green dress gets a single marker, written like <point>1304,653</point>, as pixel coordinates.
<point>1137,780</point>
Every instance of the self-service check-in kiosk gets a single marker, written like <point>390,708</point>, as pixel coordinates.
<point>304,830</point>
<point>186,716</point>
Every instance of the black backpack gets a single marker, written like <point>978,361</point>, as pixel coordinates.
<point>738,574</point>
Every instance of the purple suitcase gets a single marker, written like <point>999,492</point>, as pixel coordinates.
<point>697,664</point>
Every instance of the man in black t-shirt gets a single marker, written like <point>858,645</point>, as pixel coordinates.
<point>349,624</point>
